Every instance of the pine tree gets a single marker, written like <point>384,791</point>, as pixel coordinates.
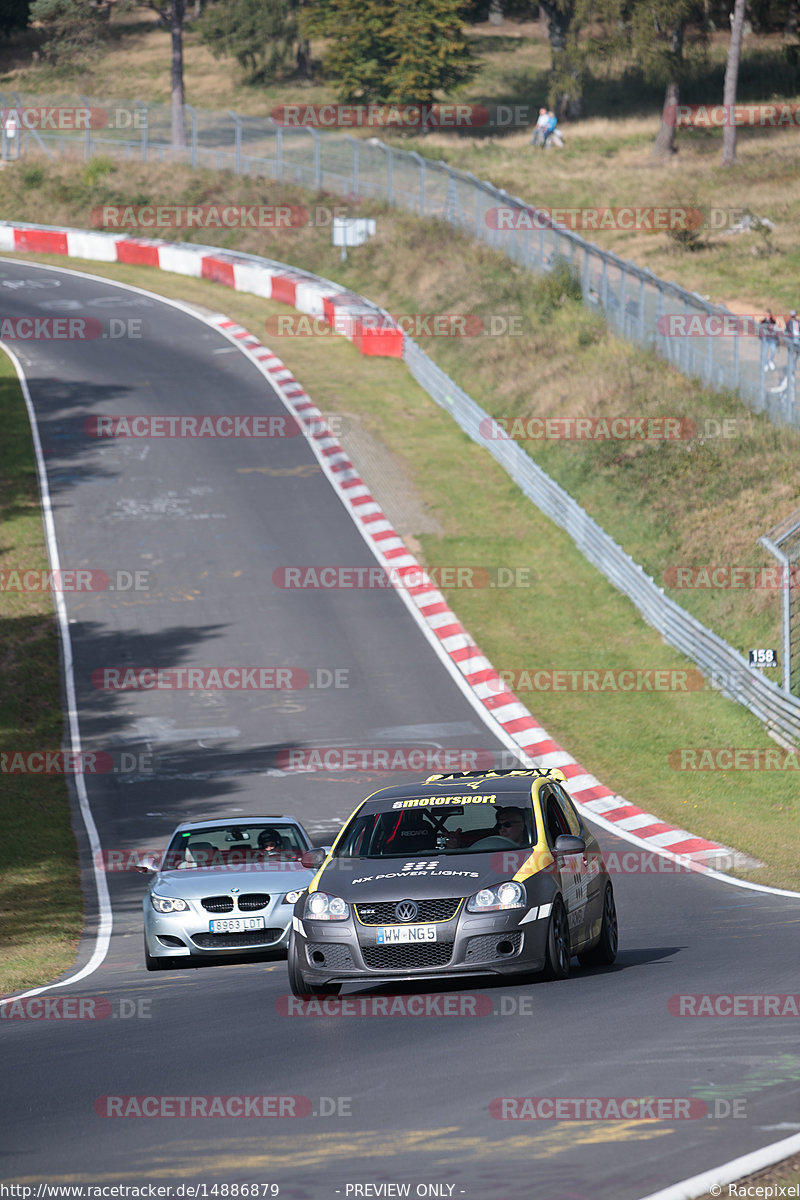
<point>399,51</point>
<point>259,35</point>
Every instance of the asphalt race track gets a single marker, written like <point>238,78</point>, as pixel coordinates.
<point>401,1100</point>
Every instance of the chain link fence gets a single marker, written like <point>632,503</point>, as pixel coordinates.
<point>635,303</point>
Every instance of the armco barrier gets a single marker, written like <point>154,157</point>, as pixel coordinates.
<point>636,304</point>
<point>725,667</point>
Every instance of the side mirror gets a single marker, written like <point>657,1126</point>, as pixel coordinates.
<point>314,858</point>
<point>148,864</point>
<point>567,844</point>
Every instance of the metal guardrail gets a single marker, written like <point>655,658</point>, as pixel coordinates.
<point>720,663</point>
<point>636,304</point>
<point>725,667</point>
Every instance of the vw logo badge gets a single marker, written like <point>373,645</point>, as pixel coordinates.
<point>406,910</point>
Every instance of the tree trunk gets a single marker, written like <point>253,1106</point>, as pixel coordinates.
<point>304,58</point>
<point>568,100</point>
<point>792,13</point>
<point>664,144</point>
<point>177,10</point>
<point>496,13</point>
<point>731,82</point>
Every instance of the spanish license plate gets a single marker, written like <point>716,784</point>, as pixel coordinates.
<point>390,935</point>
<point>235,924</point>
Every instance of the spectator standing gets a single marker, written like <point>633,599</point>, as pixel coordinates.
<point>769,332</point>
<point>539,128</point>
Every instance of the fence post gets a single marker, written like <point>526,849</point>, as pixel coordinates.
<point>237,161</point>
<point>421,162</point>
<point>144,109</point>
<point>354,169</point>
<point>317,165</point>
<point>87,150</point>
<point>193,118</point>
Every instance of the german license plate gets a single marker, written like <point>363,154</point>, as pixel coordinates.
<point>235,924</point>
<point>390,935</point>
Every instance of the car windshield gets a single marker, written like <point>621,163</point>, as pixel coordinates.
<point>440,829</point>
<point>234,846</point>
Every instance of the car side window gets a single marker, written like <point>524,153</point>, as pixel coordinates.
<point>569,814</point>
<point>554,818</point>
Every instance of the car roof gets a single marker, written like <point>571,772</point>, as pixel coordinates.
<point>509,786</point>
<point>226,822</point>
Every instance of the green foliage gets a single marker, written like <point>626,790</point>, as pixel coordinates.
<point>259,34</point>
<point>97,168</point>
<point>558,288</point>
<point>74,32</point>
<point>32,176</point>
<point>397,51</point>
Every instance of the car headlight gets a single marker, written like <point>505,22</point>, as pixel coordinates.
<point>496,899</point>
<point>322,907</point>
<point>292,897</point>
<point>168,904</point>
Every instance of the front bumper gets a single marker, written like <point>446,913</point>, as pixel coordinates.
<point>470,944</point>
<point>186,935</point>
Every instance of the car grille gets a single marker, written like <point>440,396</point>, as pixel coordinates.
<point>484,948</point>
<point>337,956</point>
<point>429,910</point>
<point>218,904</point>
<point>230,941</point>
<point>407,957</point>
<point>252,901</point>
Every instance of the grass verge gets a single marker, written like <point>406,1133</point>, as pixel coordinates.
<point>571,618</point>
<point>41,911</point>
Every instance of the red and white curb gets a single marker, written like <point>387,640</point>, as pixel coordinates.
<point>498,706</point>
<point>523,732</point>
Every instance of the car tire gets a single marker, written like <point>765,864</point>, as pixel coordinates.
<point>297,982</point>
<point>156,964</point>
<point>604,952</point>
<point>558,945</point>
